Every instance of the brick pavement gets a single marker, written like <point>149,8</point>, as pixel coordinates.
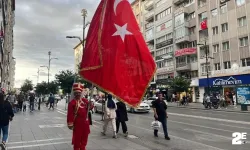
<point>46,130</point>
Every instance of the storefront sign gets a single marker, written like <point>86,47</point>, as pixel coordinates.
<point>243,95</point>
<point>185,51</point>
<point>226,80</point>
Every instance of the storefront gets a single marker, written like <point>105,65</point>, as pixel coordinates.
<point>238,84</point>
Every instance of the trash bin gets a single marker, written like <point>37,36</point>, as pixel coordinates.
<point>244,107</point>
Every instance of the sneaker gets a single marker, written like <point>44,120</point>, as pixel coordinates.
<point>126,134</point>
<point>167,138</point>
<point>115,135</point>
<point>3,146</point>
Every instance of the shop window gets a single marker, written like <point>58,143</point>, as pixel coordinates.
<point>245,62</point>
<point>227,65</point>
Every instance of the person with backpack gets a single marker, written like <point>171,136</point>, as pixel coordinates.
<point>6,115</point>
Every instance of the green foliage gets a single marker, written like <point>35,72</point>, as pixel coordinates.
<point>27,86</point>
<point>53,87</point>
<point>180,84</point>
<point>43,88</point>
<point>65,79</point>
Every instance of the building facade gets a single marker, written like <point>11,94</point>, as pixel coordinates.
<point>7,43</point>
<point>78,51</point>
<point>138,7</point>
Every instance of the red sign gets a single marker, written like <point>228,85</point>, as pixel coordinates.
<point>204,25</point>
<point>163,27</point>
<point>185,51</point>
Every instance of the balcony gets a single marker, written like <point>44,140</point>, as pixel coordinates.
<point>183,66</point>
<point>149,16</point>
<point>177,2</point>
<point>149,25</point>
<point>165,69</point>
<point>182,39</point>
<point>149,5</point>
<point>181,10</point>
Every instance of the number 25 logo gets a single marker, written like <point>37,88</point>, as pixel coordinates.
<point>237,137</point>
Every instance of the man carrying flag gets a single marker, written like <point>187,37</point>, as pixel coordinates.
<point>116,57</point>
<point>77,118</point>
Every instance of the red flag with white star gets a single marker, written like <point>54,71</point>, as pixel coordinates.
<point>116,57</point>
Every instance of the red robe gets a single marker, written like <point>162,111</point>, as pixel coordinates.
<point>77,114</point>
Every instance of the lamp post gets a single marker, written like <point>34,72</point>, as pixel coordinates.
<point>49,53</point>
<point>207,71</point>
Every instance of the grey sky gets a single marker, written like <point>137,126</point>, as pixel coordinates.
<point>41,26</point>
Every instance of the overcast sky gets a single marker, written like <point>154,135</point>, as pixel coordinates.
<point>41,26</point>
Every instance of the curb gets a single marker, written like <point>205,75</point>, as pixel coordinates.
<point>211,109</point>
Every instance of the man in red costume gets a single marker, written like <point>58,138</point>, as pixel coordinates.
<point>77,118</point>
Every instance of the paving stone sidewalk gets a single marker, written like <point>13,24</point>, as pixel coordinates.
<point>47,130</point>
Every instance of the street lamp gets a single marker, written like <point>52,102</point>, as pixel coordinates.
<point>207,71</point>
<point>48,67</point>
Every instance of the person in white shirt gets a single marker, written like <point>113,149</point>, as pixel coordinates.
<point>110,115</point>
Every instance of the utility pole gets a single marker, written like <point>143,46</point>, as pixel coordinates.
<point>207,71</point>
<point>84,15</point>
<point>49,53</point>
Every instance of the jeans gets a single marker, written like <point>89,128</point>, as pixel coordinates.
<point>31,106</point>
<point>124,126</point>
<point>5,130</point>
<point>164,126</point>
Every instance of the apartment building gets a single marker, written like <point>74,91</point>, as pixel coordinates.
<point>7,43</point>
<point>138,8</point>
<point>78,52</point>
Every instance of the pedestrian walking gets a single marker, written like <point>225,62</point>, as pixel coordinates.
<point>110,115</point>
<point>77,118</point>
<point>121,118</point>
<point>160,114</point>
<point>51,101</point>
<point>6,115</point>
<point>32,101</point>
<point>20,99</point>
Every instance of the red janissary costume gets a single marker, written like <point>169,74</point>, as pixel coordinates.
<point>77,118</point>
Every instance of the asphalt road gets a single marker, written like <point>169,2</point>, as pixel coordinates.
<point>188,129</point>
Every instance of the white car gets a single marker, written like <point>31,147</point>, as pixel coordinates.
<point>150,100</point>
<point>142,108</point>
<point>99,106</point>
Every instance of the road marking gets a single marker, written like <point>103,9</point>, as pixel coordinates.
<point>52,126</point>
<point>211,134</point>
<point>209,118</point>
<point>172,136</point>
<point>61,112</point>
<point>132,137</point>
<point>34,141</point>
<point>36,145</point>
<point>235,126</point>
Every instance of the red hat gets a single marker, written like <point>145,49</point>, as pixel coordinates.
<point>78,87</point>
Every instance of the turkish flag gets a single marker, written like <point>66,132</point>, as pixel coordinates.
<point>116,57</point>
<point>204,25</point>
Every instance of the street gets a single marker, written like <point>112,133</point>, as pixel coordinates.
<point>189,130</point>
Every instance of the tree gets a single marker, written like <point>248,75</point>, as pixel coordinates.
<point>41,88</point>
<point>65,79</point>
<point>53,87</point>
<point>27,86</point>
<point>180,84</point>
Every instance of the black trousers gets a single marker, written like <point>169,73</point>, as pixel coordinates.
<point>20,103</point>
<point>51,105</point>
<point>124,126</point>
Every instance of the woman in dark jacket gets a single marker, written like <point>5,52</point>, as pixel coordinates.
<point>6,115</point>
<point>121,117</point>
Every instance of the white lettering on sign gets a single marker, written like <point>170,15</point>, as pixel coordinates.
<point>229,81</point>
<point>238,138</point>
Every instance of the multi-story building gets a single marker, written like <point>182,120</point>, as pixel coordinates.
<point>78,51</point>
<point>7,43</point>
<point>137,8</point>
<point>227,47</point>
<point>11,78</point>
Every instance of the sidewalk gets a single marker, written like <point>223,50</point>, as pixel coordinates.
<point>200,106</point>
<point>47,130</point>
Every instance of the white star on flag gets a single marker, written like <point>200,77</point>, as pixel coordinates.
<point>121,31</point>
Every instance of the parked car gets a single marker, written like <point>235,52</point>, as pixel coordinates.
<point>99,106</point>
<point>150,100</point>
<point>144,107</point>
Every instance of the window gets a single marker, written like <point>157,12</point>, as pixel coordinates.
<point>160,3</point>
<point>214,12</point>
<point>164,38</point>
<point>149,34</point>
<point>244,41</point>
<point>202,16</point>
<point>203,51</point>
<point>180,32</point>
<point>224,27</point>
<point>164,26</point>
<point>164,13</point>
<point>240,2</point>
<point>163,51</point>
<point>202,3</point>
<point>216,48</point>
<point>215,30</point>
<point>225,46</point>
<point>179,20</point>
<point>223,8</point>
<point>204,68</point>
<point>192,15</point>
<point>245,62</point>
<point>242,21</point>
<point>217,66</point>
<point>192,30</point>
<point>227,65</point>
